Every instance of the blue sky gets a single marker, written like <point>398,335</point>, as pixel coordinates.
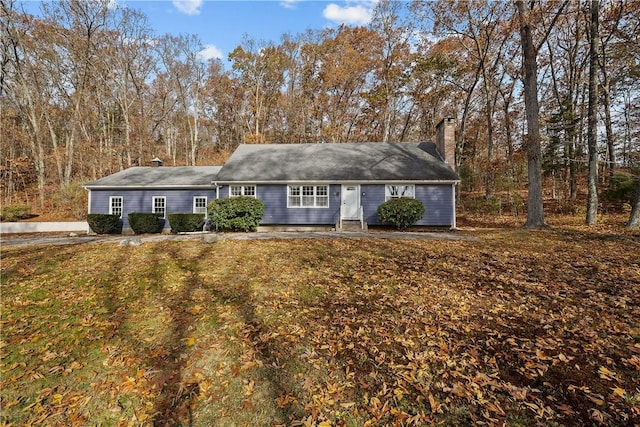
<point>222,24</point>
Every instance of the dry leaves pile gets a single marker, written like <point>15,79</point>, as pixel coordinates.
<point>518,328</point>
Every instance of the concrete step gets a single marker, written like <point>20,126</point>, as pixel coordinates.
<point>353,226</point>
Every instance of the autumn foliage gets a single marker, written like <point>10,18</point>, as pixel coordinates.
<point>506,327</point>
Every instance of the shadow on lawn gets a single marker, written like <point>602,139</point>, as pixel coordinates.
<point>174,405</point>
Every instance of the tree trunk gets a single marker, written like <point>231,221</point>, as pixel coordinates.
<point>608,126</point>
<point>535,211</point>
<point>592,130</point>
<point>634,218</point>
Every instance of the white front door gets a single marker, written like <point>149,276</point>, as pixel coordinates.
<point>350,202</point>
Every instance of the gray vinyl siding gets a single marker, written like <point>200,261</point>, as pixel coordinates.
<point>436,198</point>
<point>177,201</point>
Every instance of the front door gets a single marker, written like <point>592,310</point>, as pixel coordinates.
<point>350,202</point>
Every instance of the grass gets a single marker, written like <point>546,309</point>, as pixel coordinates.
<point>521,328</point>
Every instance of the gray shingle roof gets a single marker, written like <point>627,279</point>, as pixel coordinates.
<point>336,163</point>
<point>159,177</point>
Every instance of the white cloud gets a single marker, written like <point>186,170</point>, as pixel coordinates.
<point>352,15</point>
<point>289,4</point>
<point>210,52</point>
<point>188,7</point>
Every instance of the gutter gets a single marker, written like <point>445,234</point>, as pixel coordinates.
<point>394,181</point>
<point>148,187</point>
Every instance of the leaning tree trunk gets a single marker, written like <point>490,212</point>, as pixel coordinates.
<point>535,211</point>
<point>634,218</point>
<point>592,131</point>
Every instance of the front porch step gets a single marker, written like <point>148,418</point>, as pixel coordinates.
<point>353,226</point>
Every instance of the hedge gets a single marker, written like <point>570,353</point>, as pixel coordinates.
<point>105,223</point>
<point>401,212</point>
<point>185,222</point>
<point>236,213</point>
<point>144,222</point>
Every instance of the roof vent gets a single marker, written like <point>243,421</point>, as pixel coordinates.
<point>156,163</point>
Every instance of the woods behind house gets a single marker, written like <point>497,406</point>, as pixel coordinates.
<point>87,89</point>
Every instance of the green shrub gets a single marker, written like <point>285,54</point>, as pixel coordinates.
<point>236,213</point>
<point>401,213</point>
<point>185,222</point>
<point>144,222</point>
<point>482,205</point>
<point>14,213</point>
<point>622,189</point>
<point>105,223</point>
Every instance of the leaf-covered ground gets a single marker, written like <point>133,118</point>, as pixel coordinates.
<point>518,328</point>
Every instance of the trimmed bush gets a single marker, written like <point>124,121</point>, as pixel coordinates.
<point>185,222</point>
<point>105,223</point>
<point>14,213</point>
<point>145,222</point>
<point>401,213</point>
<point>236,213</point>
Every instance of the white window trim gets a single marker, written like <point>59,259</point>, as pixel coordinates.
<point>153,204</point>
<point>411,194</point>
<point>244,187</point>
<point>315,196</point>
<point>111,199</point>
<point>206,200</point>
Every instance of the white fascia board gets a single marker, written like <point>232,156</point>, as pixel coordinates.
<point>450,182</point>
<point>150,187</point>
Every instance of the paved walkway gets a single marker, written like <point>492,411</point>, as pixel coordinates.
<point>9,240</point>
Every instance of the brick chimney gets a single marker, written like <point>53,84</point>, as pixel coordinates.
<point>156,163</point>
<point>446,140</point>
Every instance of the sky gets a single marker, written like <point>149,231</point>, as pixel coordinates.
<point>221,25</point>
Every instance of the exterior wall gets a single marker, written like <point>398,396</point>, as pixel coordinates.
<point>437,200</point>
<point>277,213</point>
<point>177,201</point>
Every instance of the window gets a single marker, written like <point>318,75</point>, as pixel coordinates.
<point>159,205</point>
<point>242,190</point>
<point>115,205</point>
<point>308,196</point>
<point>394,191</point>
<point>200,204</point>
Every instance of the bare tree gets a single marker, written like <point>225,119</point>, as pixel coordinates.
<point>592,131</point>
<point>535,210</point>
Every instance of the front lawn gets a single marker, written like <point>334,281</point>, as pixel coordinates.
<point>519,328</point>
